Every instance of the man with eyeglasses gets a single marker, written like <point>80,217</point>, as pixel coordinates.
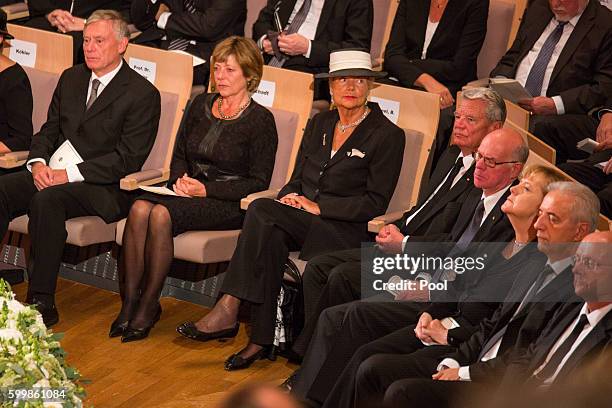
<point>348,334</point>
<point>568,213</point>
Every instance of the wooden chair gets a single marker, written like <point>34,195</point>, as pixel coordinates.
<point>535,145</point>
<point>518,116</point>
<point>16,11</point>
<point>519,10</point>
<point>498,31</point>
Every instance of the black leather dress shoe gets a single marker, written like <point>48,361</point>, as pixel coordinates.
<point>237,362</point>
<point>287,385</point>
<point>135,334</point>
<point>47,310</point>
<point>189,330</point>
<point>117,328</point>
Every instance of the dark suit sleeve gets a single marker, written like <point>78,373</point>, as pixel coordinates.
<point>357,33</point>
<point>142,13</point>
<point>137,137</point>
<point>18,102</point>
<point>209,24</point>
<point>445,71</point>
<point>38,8</point>
<point>264,23</point>
<point>384,169</point>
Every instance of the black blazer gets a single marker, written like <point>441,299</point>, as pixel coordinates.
<point>582,73</point>
<point>343,24</point>
<point>213,21</point>
<point>522,330</point>
<point>596,341</point>
<point>114,137</point>
<point>441,217</point>
<point>453,51</point>
<point>82,8</point>
<point>350,190</point>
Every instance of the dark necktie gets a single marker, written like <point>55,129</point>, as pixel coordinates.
<point>552,365</point>
<point>536,74</point>
<point>293,28</point>
<point>95,84</point>
<point>471,230</point>
<point>531,293</point>
<point>182,43</point>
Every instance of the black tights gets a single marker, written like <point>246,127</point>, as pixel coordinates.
<point>145,261</point>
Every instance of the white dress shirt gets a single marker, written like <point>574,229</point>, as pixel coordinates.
<point>464,371</point>
<point>429,33</point>
<point>593,318</point>
<point>491,201</point>
<point>72,171</point>
<point>525,65</point>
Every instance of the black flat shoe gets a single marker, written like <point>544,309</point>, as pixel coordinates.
<point>236,362</point>
<point>117,328</point>
<point>47,310</point>
<point>189,330</point>
<point>135,334</point>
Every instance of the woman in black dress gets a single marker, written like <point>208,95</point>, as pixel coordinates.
<point>15,100</point>
<point>345,175</point>
<point>225,151</point>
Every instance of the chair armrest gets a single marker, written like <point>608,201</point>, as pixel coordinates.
<point>246,201</point>
<point>144,178</point>
<point>14,159</point>
<point>377,223</point>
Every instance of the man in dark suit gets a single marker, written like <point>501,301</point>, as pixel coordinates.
<point>560,56</point>
<point>194,26</point>
<point>343,334</point>
<point>109,114</point>
<point>311,30</point>
<point>597,177</point>
<point>335,278</point>
<point>567,214</point>
<point>68,17</point>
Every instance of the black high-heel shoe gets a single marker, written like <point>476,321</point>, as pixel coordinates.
<point>135,334</point>
<point>117,328</point>
<point>189,330</point>
<point>236,362</point>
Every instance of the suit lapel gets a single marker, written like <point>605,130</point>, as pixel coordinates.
<point>493,217</point>
<point>466,214</point>
<point>534,34</point>
<point>112,91</point>
<point>328,7</point>
<point>81,91</point>
<point>450,14</point>
<point>284,11</point>
<point>585,24</point>
<point>445,164</point>
<point>417,29</point>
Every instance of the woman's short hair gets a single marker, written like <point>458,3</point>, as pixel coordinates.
<point>247,55</point>
<point>119,24</point>
<point>549,174</point>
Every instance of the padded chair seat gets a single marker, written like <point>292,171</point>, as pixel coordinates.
<point>198,246</point>
<point>82,231</point>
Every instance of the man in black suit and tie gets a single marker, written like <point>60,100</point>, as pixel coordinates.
<point>344,333</point>
<point>109,114</point>
<point>68,17</point>
<point>597,177</point>
<point>311,29</point>
<point>561,56</point>
<point>193,26</point>
<point>567,214</point>
<point>335,278</point>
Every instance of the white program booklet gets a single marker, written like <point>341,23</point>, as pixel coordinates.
<point>510,89</point>
<point>587,145</point>
<point>196,60</point>
<point>158,190</point>
<point>65,155</point>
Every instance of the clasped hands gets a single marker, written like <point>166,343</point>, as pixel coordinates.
<point>431,330</point>
<point>301,202</point>
<point>189,187</point>
<point>44,176</point>
<point>64,21</point>
<point>604,137</point>
<point>290,44</point>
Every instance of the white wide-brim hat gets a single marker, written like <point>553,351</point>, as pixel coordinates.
<point>350,62</point>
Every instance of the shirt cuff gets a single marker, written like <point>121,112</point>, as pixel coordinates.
<point>448,363</point>
<point>163,20</point>
<point>307,55</point>
<point>464,374</point>
<point>32,161</point>
<point>603,112</point>
<point>404,242</point>
<point>559,105</point>
<point>74,174</point>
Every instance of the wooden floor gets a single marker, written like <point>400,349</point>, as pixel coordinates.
<point>164,370</point>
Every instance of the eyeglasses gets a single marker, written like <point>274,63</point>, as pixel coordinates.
<point>469,119</point>
<point>490,161</point>
<point>588,262</point>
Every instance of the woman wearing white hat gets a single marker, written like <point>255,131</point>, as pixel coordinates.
<point>345,175</point>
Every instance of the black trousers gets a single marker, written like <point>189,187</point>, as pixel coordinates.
<point>594,178</point>
<point>48,211</point>
<point>340,333</point>
<point>425,392</point>
<point>563,132</point>
<point>270,231</point>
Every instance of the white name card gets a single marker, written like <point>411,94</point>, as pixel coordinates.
<point>265,93</point>
<point>145,68</point>
<point>23,52</point>
<point>389,107</point>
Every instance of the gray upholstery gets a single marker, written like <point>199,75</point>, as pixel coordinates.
<point>43,84</point>
<point>381,12</point>
<point>82,231</point>
<point>156,158</point>
<point>495,44</point>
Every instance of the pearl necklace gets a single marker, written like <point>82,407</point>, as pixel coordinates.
<point>240,109</point>
<point>343,128</point>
